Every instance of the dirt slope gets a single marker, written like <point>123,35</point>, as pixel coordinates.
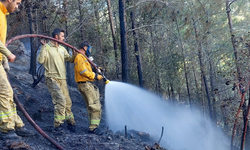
<point>37,102</point>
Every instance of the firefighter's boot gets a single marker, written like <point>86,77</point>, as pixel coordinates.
<point>10,135</point>
<point>22,131</point>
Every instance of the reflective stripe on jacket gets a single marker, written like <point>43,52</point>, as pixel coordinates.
<point>83,70</point>
<point>53,58</point>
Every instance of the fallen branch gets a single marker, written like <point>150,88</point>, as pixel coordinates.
<point>161,135</point>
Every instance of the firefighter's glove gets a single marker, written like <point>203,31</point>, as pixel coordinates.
<point>5,64</point>
<point>98,77</point>
<point>100,70</point>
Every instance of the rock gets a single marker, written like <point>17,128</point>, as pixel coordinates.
<point>17,145</point>
<point>109,138</point>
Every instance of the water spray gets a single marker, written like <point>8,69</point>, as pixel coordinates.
<point>144,111</point>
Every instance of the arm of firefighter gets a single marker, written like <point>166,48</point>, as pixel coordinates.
<point>4,50</point>
<point>82,68</point>
<point>42,55</point>
<point>67,56</point>
<point>5,64</point>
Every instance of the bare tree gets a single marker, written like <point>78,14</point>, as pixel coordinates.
<point>124,53</point>
<point>137,52</point>
<point>184,62</point>
<point>113,36</point>
<point>202,67</point>
<point>32,29</point>
<point>80,18</point>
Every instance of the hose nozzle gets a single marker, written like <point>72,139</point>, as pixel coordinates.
<point>106,80</point>
<point>104,77</point>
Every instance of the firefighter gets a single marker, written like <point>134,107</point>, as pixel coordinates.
<point>53,57</point>
<point>90,92</point>
<point>11,125</point>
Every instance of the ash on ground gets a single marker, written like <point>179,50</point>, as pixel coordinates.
<point>38,104</point>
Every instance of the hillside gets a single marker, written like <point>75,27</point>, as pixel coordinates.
<point>38,104</point>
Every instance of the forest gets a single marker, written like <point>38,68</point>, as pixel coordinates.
<point>193,53</point>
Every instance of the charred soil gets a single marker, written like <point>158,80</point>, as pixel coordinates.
<point>37,102</point>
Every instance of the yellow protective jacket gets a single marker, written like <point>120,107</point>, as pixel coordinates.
<point>83,70</point>
<point>53,58</point>
<point>3,31</point>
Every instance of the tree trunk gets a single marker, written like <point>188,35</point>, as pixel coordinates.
<point>154,51</point>
<point>246,135</point>
<point>212,86</point>
<point>247,145</point>
<point>32,69</point>
<point>237,116</point>
<point>233,39</point>
<point>124,53</point>
<point>81,20</point>
<point>172,92</point>
<point>232,36</point>
<point>202,67</point>
<point>184,62</point>
<point>246,119</point>
<point>68,70</point>
<point>113,36</point>
<point>224,114</point>
<point>206,28</point>
<point>203,98</point>
<point>137,52</point>
<point>196,85</point>
<point>97,24</point>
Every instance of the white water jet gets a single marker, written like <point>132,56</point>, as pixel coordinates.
<point>144,111</point>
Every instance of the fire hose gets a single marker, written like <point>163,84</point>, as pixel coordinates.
<point>31,121</point>
<point>61,42</point>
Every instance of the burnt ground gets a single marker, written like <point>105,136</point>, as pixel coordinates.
<point>37,102</point>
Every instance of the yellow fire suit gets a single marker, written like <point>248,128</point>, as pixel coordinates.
<point>8,115</point>
<point>53,58</point>
<point>90,92</point>
<point>3,25</point>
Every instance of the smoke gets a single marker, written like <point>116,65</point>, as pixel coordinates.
<point>144,111</point>
<point>26,43</point>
